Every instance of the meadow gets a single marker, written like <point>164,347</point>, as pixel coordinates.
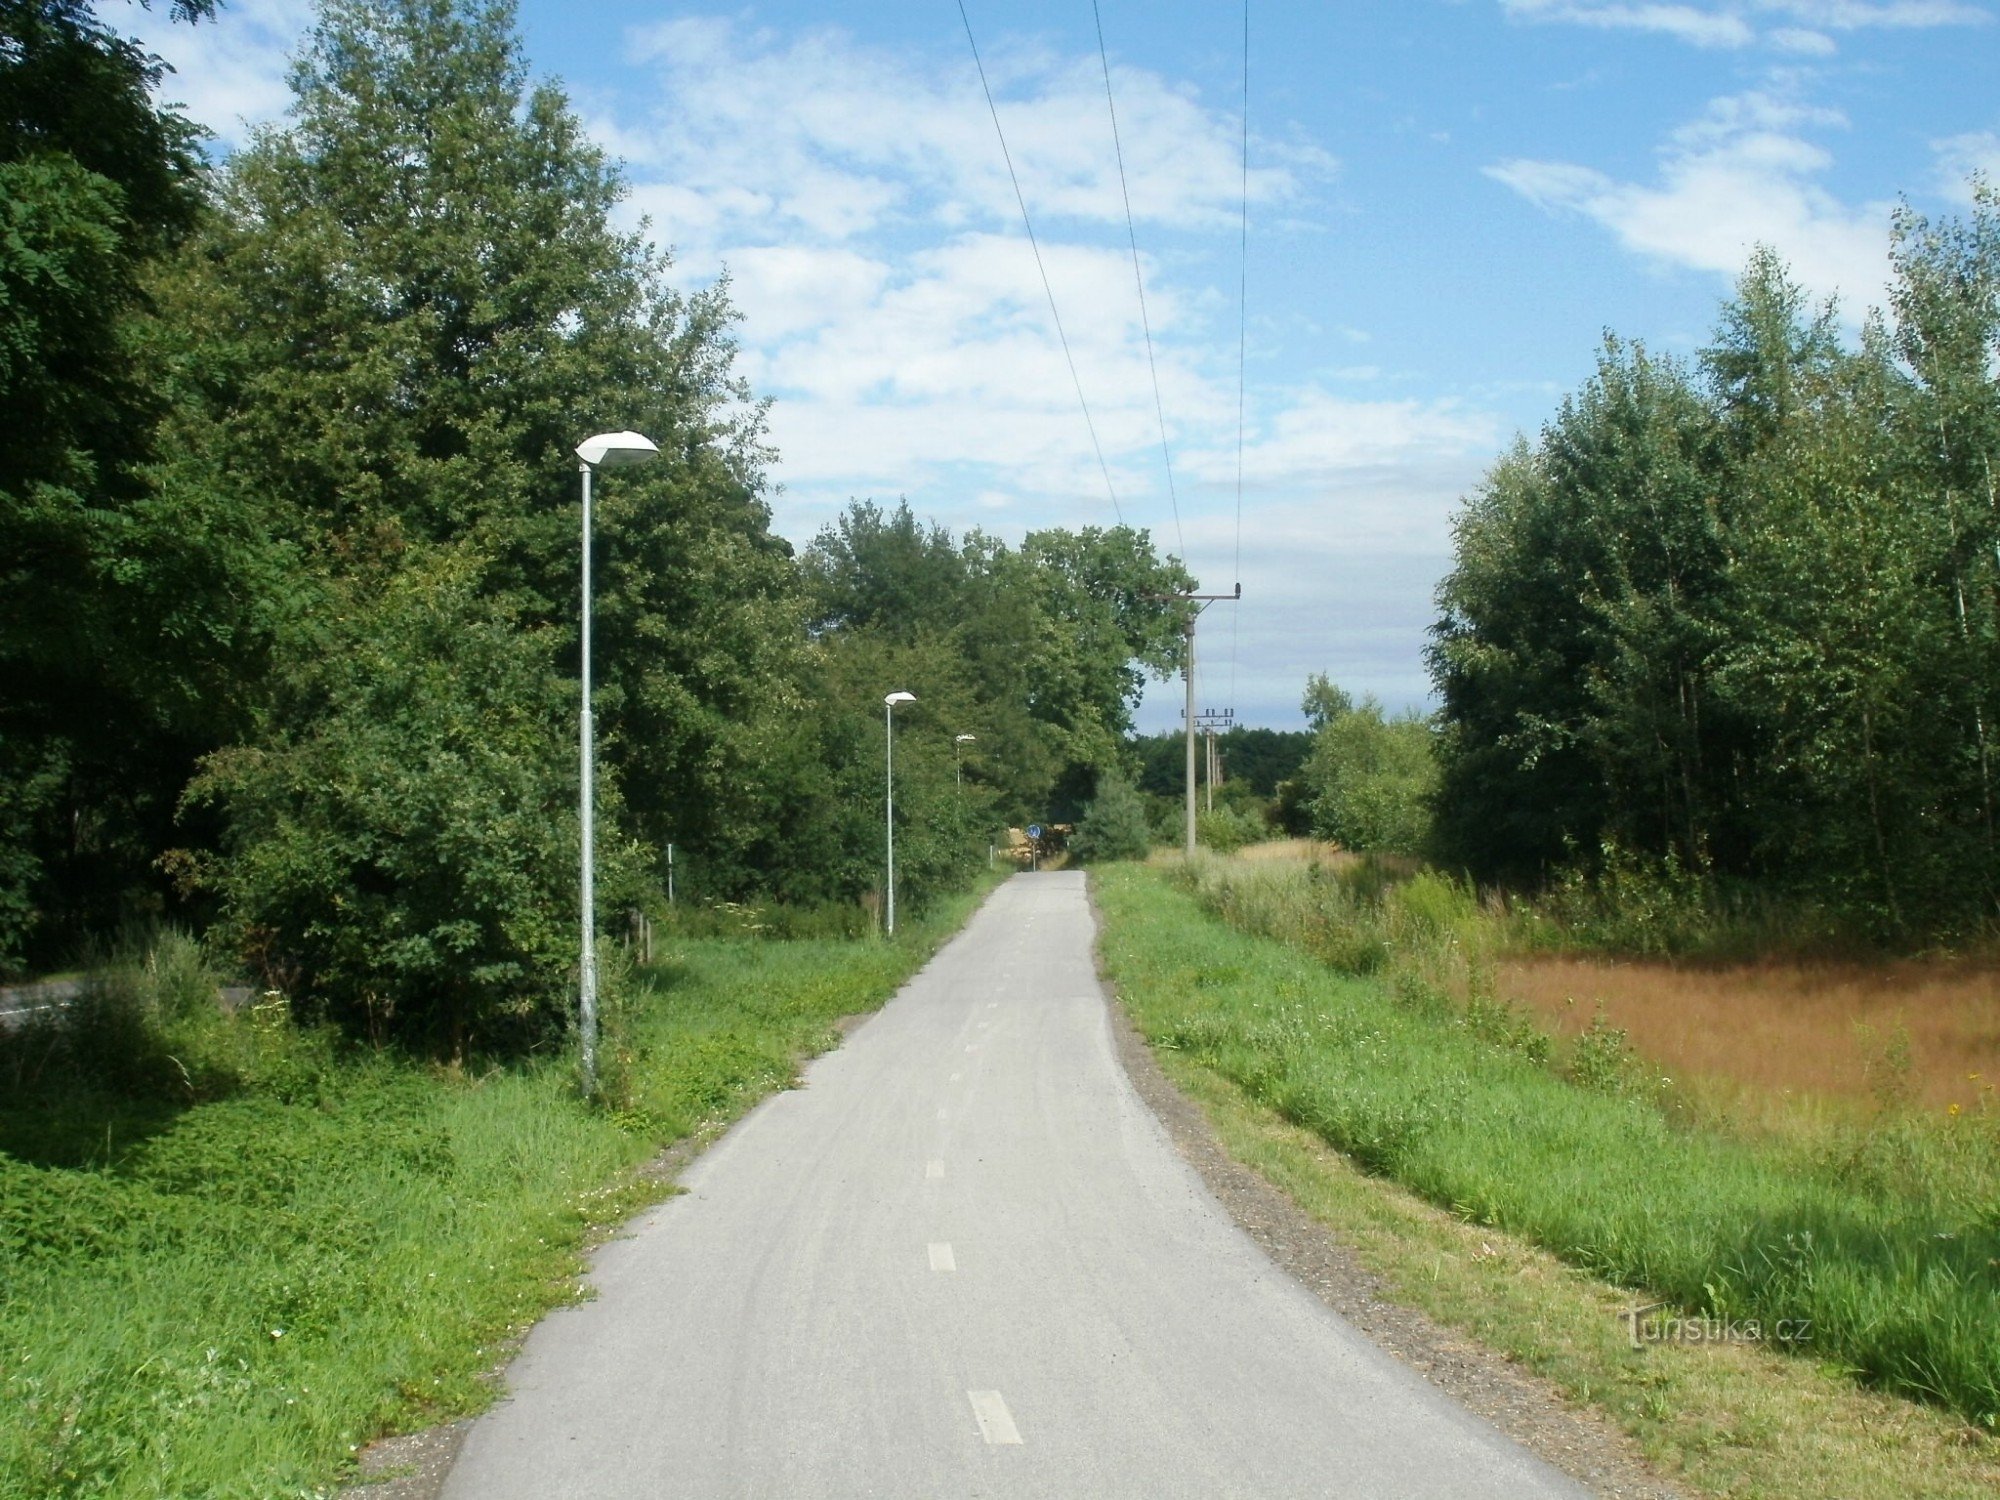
<point>1361,1008</point>
<point>233,1250</point>
<point>1856,1037</point>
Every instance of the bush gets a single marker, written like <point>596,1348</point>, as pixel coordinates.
<point>1226,830</point>
<point>1370,779</point>
<point>402,841</point>
<point>1114,825</point>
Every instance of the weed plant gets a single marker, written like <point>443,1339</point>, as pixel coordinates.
<point>1888,1250</point>
<point>1640,908</point>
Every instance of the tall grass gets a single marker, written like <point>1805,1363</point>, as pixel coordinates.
<point>1645,908</point>
<point>1889,1250</point>
<point>232,1250</point>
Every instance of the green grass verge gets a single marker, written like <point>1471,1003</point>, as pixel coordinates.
<point>1902,1291</point>
<point>1723,1419</point>
<point>229,1298</point>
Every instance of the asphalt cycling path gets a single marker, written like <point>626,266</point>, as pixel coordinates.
<point>965,1260</point>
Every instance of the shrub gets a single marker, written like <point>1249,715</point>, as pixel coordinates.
<point>402,840</point>
<point>1226,830</point>
<point>1114,825</point>
<point>1369,779</point>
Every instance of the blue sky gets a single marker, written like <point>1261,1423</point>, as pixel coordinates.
<point>1450,201</point>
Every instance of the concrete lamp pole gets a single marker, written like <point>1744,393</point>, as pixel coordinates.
<point>957,740</point>
<point>889,801</point>
<point>608,450</point>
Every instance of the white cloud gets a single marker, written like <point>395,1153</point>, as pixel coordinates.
<point>229,71</point>
<point>1857,15</point>
<point>793,286</point>
<point>1702,26</point>
<point>1315,438</point>
<point>1738,176</point>
<point>846,139</point>
<point>1735,23</point>
<point>1758,115</point>
<point>891,304</point>
<point>1340,578</point>
<point>1960,156</point>
<point>1803,42</point>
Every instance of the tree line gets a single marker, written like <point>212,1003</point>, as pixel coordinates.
<point>1739,619</point>
<point>289,550</point>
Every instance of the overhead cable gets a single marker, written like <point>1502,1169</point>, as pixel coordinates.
<point>1242,332</point>
<point>1034,245</point>
<point>1139,280</point>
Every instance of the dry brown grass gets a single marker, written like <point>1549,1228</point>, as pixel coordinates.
<point>1776,1028</point>
<point>1299,851</point>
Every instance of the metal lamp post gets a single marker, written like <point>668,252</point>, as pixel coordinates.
<point>957,740</point>
<point>889,740</point>
<point>608,450</point>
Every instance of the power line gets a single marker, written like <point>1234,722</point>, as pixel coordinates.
<point>1138,279</point>
<point>1035,245</point>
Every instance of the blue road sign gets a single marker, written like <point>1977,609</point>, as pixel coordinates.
<point>1034,830</point>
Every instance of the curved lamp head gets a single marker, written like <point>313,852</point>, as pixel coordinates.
<point>963,739</point>
<point>616,450</point>
<point>894,698</point>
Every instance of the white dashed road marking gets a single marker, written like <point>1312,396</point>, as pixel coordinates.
<point>996,1423</point>
<point>941,1260</point>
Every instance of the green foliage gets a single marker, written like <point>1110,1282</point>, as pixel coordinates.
<point>124,610</point>
<point>1631,906</point>
<point>1601,1058</point>
<point>1040,652</point>
<point>402,840</point>
<point>31,780</point>
<point>1226,830</point>
<point>1114,825</point>
<point>1744,624</point>
<point>410,308</point>
<point>1258,758</point>
<point>303,634</point>
<point>1887,1245</point>
<point>1324,702</point>
<point>1369,779</point>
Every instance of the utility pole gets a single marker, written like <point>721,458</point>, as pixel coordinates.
<point>1203,600</point>
<point>1190,733</point>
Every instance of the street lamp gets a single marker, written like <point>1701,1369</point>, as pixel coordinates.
<point>957,740</point>
<point>608,450</point>
<point>889,739</point>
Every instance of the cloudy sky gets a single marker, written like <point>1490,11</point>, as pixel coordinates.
<point>1449,202</point>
